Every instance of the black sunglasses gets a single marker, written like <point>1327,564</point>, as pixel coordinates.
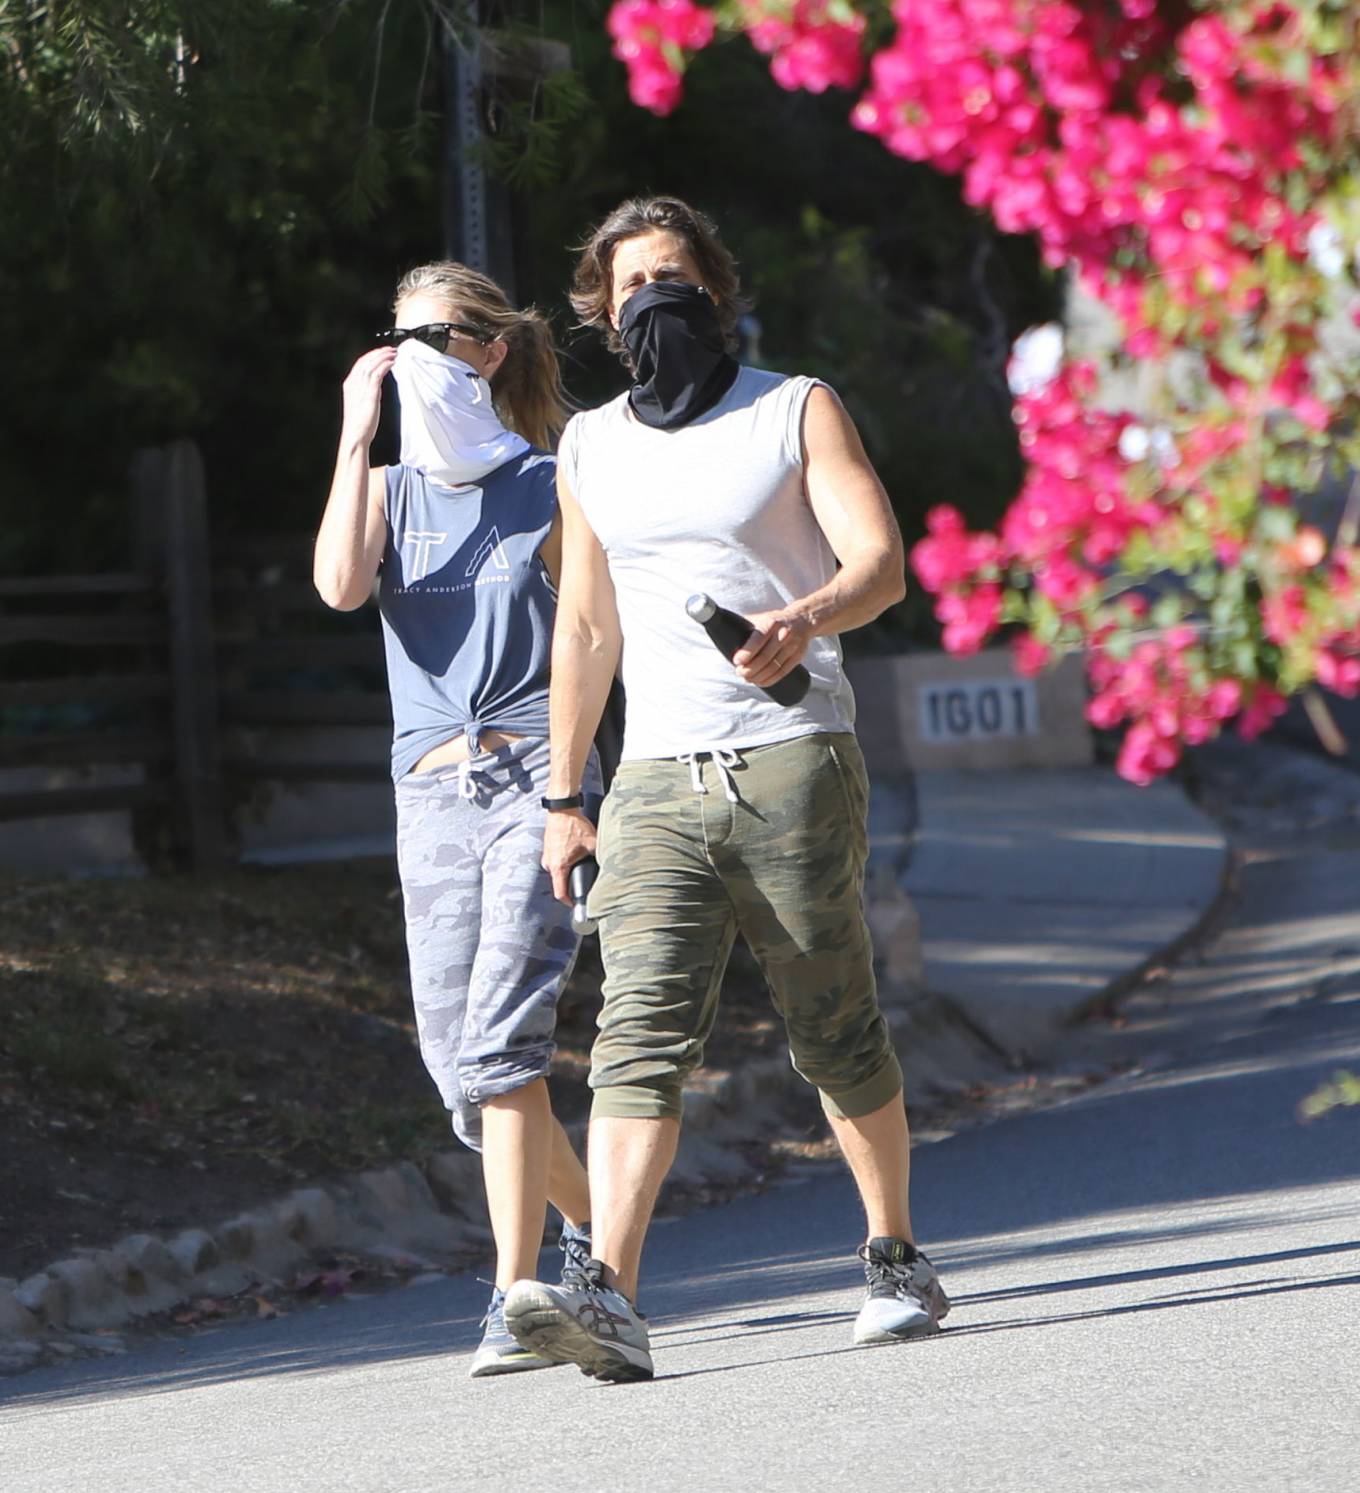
<point>438,334</point>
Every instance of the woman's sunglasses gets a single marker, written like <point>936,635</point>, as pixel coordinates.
<point>438,334</point>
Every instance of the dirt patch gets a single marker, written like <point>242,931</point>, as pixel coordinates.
<point>175,1049</point>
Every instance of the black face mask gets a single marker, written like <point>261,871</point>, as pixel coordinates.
<point>682,367</point>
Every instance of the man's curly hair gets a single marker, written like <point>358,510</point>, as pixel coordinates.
<point>592,287</point>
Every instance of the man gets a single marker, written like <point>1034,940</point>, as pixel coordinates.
<point>729,810</point>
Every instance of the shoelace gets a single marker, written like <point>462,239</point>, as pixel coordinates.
<point>588,1277</point>
<point>495,1311</point>
<point>724,759</point>
<point>576,1257</point>
<point>886,1275</point>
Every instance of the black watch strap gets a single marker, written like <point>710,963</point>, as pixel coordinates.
<point>572,801</point>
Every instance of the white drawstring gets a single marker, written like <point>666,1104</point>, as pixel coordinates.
<point>724,759</point>
<point>695,778</point>
<point>472,737</point>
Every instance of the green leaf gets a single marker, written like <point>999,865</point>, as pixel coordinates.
<point>1119,644</point>
<point>1167,611</point>
<point>1275,523</point>
<point>1045,623</point>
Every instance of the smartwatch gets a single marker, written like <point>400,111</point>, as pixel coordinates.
<point>572,801</point>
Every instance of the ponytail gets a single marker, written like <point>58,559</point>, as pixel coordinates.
<point>528,384</point>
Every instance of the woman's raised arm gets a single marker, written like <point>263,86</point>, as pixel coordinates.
<point>353,532</point>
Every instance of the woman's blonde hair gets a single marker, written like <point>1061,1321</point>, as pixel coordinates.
<point>527,387</point>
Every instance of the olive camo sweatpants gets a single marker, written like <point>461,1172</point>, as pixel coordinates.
<point>772,841</point>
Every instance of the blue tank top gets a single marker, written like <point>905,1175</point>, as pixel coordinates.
<point>467,606</point>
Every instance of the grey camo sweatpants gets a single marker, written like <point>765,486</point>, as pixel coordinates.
<point>490,947</point>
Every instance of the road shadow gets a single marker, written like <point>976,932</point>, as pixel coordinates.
<point>956,1334</point>
<point>1203,1132</point>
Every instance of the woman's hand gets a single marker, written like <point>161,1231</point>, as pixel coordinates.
<point>363,396</point>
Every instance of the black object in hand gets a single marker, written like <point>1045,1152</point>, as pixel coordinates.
<point>729,631</point>
<point>580,880</point>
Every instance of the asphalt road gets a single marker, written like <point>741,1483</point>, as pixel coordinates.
<point>1295,728</point>
<point>1156,1286</point>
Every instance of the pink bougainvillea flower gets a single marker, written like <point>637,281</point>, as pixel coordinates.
<point>808,46</point>
<point>1339,672</point>
<point>1029,655</point>
<point>652,38</point>
<point>969,617</point>
<point>1190,167</point>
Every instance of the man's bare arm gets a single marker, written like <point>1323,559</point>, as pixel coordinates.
<point>585,655</point>
<point>852,510</point>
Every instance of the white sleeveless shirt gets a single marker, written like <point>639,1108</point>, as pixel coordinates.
<point>717,506</point>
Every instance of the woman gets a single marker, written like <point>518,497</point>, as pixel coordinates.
<point>466,533</point>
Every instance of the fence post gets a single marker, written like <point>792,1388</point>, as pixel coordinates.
<point>193,670</point>
<point>148,511</point>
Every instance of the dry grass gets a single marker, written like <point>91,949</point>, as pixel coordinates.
<point>175,1048</point>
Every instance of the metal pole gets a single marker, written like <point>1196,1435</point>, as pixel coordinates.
<point>465,204</point>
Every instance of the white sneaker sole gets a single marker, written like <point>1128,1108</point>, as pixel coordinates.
<point>491,1364</point>
<point>870,1337</point>
<point>542,1326</point>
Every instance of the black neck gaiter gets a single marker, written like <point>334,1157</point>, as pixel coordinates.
<point>681,365</point>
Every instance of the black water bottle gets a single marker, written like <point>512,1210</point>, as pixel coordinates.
<point>580,880</point>
<point>729,631</point>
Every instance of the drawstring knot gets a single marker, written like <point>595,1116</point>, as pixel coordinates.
<point>724,760</point>
<point>472,735</point>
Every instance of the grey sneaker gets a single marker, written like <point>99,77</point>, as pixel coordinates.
<point>905,1297</point>
<point>498,1352</point>
<point>582,1321</point>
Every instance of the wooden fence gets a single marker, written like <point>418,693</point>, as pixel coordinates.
<point>187,674</point>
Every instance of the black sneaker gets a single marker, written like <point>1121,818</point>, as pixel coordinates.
<point>582,1321</point>
<point>905,1298</point>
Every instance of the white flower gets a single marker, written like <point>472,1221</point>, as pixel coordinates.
<point>1326,250</point>
<point>1035,359</point>
<point>1137,443</point>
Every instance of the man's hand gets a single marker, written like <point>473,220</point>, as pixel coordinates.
<point>568,837</point>
<point>776,645</point>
